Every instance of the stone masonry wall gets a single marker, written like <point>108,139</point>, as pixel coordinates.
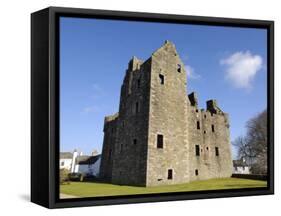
<point>212,133</point>
<point>167,117</point>
<point>109,139</point>
<point>129,165</point>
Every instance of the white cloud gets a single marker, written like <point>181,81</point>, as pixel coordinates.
<point>97,91</point>
<point>90,109</point>
<point>96,87</point>
<point>190,72</point>
<point>241,68</point>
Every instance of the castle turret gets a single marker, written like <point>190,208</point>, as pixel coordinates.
<point>212,106</point>
<point>134,64</point>
<point>193,99</point>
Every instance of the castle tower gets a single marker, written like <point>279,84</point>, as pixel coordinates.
<point>130,156</point>
<point>167,161</point>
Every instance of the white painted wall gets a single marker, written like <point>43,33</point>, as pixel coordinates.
<point>92,169</point>
<point>241,170</point>
<point>75,154</point>
<point>65,163</point>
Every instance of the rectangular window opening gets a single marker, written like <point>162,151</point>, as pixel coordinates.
<point>198,125</point>
<point>217,151</point>
<point>161,77</point>
<point>170,174</point>
<point>160,141</point>
<point>179,68</point>
<point>196,172</point>
<point>135,141</point>
<point>137,107</point>
<point>213,128</point>
<point>197,150</point>
<point>138,83</point>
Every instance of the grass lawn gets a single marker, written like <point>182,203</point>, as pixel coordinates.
<point>93,189</point>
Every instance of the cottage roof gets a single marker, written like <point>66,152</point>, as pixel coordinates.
<point>240,162</point>
<point>85,159</point>
<point>66,155</point>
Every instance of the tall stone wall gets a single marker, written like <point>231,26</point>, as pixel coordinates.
<point>168,118</point>
<point>129,165</point>
<point>108,149</point>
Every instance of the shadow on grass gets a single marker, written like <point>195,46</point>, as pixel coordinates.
<point>106,182</point>
<point>244,185</point>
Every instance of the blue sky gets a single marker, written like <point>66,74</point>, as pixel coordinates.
<point>223,63</point>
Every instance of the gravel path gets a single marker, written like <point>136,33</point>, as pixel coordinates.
<point>66,196</point>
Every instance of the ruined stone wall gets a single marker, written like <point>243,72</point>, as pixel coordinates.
<point>167,117</point>
<point>129,165</point>
<point>212,133</point>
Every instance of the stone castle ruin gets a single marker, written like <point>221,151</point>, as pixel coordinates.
<point>160,136</point>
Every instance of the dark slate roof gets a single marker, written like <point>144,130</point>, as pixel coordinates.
<point>240,162</point>
<point>66,155</point>
<point>85,159</point>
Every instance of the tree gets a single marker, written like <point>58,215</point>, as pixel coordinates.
<point>64,176</point>
<point>253,146</point>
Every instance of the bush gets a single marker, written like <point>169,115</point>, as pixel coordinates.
<point>90,177</point>
<point>64,179</point>
<point>76,176</point>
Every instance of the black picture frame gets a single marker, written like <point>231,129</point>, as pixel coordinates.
<point>45,106</point>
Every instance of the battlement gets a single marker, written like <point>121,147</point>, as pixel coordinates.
<point>134,64</point>
<point>193,99</point>
<point>110,121</point>
<point>212,106</point>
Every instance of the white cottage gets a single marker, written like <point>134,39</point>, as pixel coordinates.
<point>88,165</point>
<point>240,167</point>
<point>76,162</point>
<point>66,160</point>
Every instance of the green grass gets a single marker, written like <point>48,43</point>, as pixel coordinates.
<point>93,189</point>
